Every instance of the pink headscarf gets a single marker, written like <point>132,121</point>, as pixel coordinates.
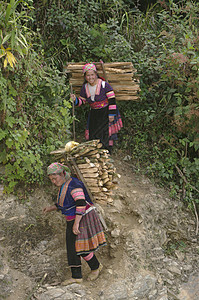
<point>89,67</point>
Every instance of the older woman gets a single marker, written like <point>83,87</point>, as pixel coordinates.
<point>84,233</point>
<point>104,121</point>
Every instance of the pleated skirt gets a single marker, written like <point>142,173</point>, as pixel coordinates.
<point>91,235</point>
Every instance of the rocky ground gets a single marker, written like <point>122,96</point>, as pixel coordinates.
<point>152,251</point>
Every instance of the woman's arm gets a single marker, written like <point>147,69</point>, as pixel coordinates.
<point>111,101</point>
<point>76,224</point>
<point>79,198</point>
<point>49,208</point>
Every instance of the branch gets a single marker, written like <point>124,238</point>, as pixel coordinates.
<point>184,178</point>
<point>37,286</point>
<point>193,187</point>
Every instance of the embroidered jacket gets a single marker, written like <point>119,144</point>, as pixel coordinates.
<point>104,95</point>
<point>73,199</point>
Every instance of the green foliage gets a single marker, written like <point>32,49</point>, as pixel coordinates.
<point>34,114</point>
<point>13,30</point>
<point>36,121</point>
<point>172,246</point>
<point>78,31</point>
<point>162,129</point>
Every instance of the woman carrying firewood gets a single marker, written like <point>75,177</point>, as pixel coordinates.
<point>84,233</point>
<point>104,121</point>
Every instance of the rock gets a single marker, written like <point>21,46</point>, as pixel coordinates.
<point>115,233</point>
<point>55,292</point>
<point>143,286</point>
<point>174,269</point>
<point>116,291</point>
<point>180,255</point>
<point>167,274</point>
<point>2,276</point>
<point>118,205</point>
<point>127,158</point>
<point>190,290</point>
<point>188,268</point>
<point>168,281</point>
<point>164,297</point>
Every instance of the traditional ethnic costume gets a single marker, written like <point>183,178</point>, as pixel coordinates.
<point>101,99</point>
<point>73,200</point>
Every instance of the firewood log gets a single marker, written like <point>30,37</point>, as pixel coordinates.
<point>91,175</point>
<point>86,166</point>
<point>89,170</point>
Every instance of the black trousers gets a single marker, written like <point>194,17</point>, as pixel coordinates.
<point>99,126</point>
<point>74,260</point>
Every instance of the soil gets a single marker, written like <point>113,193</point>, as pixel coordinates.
<point>150,237</point>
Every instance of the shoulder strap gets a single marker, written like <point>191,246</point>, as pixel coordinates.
<point>103,84</point>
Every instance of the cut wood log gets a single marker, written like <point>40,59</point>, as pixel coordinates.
<point>127,98</point>
<point>89,170</point>
<point>91,180</point>
<point>95,189</point>
<point>86,166</point>
<point>97,155</point>
<point>104,176</point>
<point>92,184</point>
<point>59,151</point>
<point>105,181</point>
<point>92,152</point>
<point>90,175</point>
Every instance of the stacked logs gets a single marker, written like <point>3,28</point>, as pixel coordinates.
<point>92,163</point>
<point>120,75</point>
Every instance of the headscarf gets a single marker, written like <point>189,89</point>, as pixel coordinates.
<point>56,168</point>
<point>89,67</point>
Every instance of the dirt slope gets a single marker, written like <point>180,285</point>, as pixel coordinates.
<point>152,250</point>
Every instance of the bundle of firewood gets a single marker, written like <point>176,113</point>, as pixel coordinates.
<point>91,164</point>
<point>120,75</point>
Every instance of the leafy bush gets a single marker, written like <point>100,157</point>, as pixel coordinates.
<point>35,115</point>
<point>163,126</point>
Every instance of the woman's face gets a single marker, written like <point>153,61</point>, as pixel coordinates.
<point>91,77</point>
<point>57,179</point>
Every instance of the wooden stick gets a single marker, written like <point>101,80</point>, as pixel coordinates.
<point>105,76</point>
<point>71,89</point>
<point>37,287</point>
<point>193,187</point>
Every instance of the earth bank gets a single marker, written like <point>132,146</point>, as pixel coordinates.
<point>152,250</point>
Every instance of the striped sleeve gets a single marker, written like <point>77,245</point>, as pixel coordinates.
<point>82,98</point>
<point>79,197</point>
<point>111,99</point>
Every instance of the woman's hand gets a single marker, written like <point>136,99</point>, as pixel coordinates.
<point>76,224</point>
<point>73,97</point>
<point>111,118</point>
<point>49,209</point>
<point>76,228</point>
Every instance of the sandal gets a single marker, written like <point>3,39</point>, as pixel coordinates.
<point>71,281</point>
<point>95,273</point>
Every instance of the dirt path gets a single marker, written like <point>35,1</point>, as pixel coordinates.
<point>152,249</point>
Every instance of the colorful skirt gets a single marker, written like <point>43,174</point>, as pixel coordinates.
<point>91,235</point>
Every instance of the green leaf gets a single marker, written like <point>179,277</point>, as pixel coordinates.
<point>3,156</point>
<point>10,121</point>
<point>8,12</point>
<point>9,143</point>
<point>3,134</point>
<point>6,38</point>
